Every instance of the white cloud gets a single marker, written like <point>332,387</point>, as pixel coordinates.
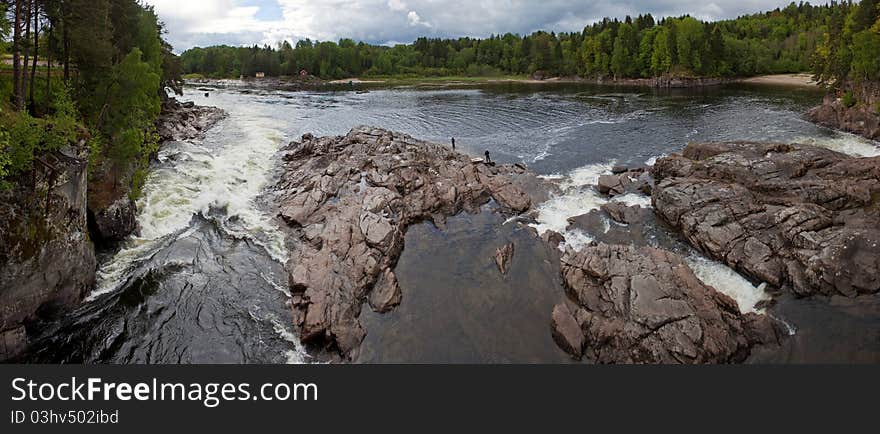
<point>416,20</point>
<point>206,22</point>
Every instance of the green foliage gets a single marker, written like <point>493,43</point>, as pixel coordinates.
<point>135,104</point>
<point>866,55</point>
<point>119,64</point>
<point>22,137</point>
<point>849,100</point>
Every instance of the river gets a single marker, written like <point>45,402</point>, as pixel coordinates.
<point>204,283</point>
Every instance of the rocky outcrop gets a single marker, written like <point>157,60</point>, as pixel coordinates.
<point>186,121</point>
<point>645,305</point>
<point>346,203</point>
<point>47,261</point>
<point>795,216</point>
<point>863,117</point>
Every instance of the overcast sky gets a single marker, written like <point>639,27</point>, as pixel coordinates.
<point>237,22</point>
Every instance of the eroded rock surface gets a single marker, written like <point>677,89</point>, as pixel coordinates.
<point>794,216</point>
<point>347,202</point>
<point>645,305</point>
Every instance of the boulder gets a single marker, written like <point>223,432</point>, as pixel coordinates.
<point>503,256</point>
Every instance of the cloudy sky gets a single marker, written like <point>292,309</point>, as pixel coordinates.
<point>238,22</point>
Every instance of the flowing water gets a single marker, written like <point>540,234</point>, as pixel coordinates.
<point>204,282</point>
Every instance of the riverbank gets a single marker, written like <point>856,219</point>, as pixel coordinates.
<point>50,246</point>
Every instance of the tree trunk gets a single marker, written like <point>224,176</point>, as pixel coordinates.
<point>16,57</point>
<point>65,41</point>
<point>36,12</point>
<point>23,84</point>
<point>49,68</point>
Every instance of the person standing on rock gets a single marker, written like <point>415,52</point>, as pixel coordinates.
<point>488,158</point>
<point>453,143</point>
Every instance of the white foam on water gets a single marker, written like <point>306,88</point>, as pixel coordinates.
<point>634,199</point>
<point>297,355</point>
<point>578,196</point>
<point>728,282</point>
<point>653,160</point>
<point>845,143</point>
<point>227,176</point>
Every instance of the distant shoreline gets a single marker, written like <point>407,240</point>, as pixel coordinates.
<point>793,80</point>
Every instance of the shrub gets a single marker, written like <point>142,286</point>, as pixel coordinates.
<point>849,100</point>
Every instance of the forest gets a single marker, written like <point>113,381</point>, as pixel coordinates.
<point>798,38</point>
<point>82,70</point>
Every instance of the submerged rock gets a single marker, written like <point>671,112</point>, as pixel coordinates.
<point>645,305</point>
<point>47,261</point>
<point>503,256</point>
<point>795,216</point>
<point>346,203</point>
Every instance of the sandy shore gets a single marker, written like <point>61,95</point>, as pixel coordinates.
<point>783,80</point>
<point>356,81</point>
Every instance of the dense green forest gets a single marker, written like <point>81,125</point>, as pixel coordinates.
<point>850,47</point>
<point>93,70</point>
<point>780,41</point>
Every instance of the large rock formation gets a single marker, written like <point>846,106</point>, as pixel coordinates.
<point>47,261</point>
<point>861,118</point>
<point>645,305</point>
<point>347,202</point>
<point>794,216</point>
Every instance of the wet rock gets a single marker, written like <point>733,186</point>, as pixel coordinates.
<point>624,214</point>
<point>186,121</point>
<point>797,217</point>
<point>503,256</point>
<point>645,305</point>
<point>552,238</point>
<point>625,181</point>
<point>47,261</point>
<point>346,203</point>
<point>12,343</point>
<point>115,222</point>
<point>386,294</point>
